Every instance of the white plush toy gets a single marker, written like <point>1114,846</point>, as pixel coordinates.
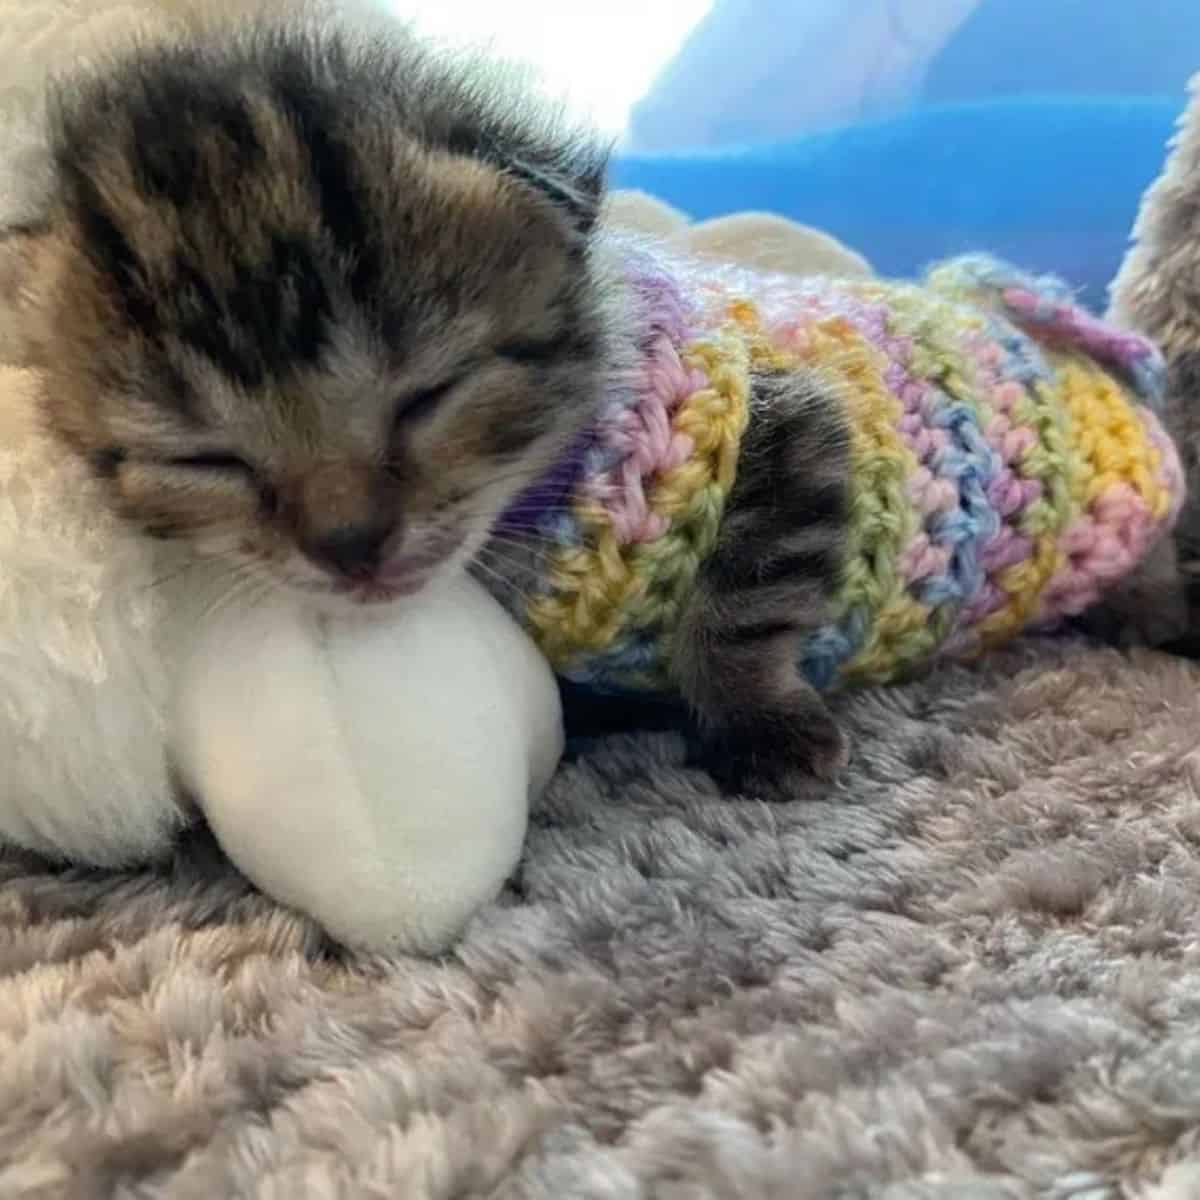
<point>375,774</point>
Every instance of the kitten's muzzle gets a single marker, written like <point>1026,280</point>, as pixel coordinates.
<point>353,551</point>
<point>345,516</point>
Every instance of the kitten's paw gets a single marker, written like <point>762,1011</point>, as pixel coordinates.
<point>1153,606</point>
<point>1156,622</point>
<point>776,757</point>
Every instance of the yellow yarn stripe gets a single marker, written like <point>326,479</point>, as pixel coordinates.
<point>1111,438</point>
<point>882,522</point>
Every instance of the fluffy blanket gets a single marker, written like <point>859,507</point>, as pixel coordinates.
<point>971,973</point>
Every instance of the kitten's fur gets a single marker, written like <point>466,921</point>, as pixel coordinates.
<point>321,307</point>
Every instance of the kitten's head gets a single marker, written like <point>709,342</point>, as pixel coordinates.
<point>319,310</point>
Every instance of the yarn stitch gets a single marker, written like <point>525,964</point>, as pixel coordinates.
<point>1007,465</point>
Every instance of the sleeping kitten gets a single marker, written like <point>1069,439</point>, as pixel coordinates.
<point>322,308</point>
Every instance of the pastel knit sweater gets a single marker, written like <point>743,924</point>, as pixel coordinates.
<point>1007,465</point>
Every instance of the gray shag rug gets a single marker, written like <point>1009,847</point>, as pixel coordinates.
<point>971,971</point>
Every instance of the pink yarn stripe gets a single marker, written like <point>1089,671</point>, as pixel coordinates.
<point>1102,546</point>
<point>1111,538</point>
<point>645,442</point>
<point>1169,464</point>
<point>1063,321</point>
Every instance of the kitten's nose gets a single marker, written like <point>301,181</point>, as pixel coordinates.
<point>352,550</point>
<point>343,514</point>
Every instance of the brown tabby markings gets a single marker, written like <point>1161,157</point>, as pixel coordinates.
<point>773,574</point>
<point>291,313</point>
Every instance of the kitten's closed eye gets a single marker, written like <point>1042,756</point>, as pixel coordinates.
<point>229,467</point>
<point>212,461</point>
<point>421,405</point>
<point>108,462</point>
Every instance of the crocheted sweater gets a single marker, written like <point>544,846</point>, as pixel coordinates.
<point>1007,465</point>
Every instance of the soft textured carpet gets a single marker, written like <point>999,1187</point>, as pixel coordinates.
<point>973,971</point>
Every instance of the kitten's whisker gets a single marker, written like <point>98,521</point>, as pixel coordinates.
<point>542,551</point>
<point>245,579</point>
<point>512,534</point>
<point>499,556</point>
<point>188,569</point>
<point>507,583</point>
<point>170,577</point>
<point>518,555</point>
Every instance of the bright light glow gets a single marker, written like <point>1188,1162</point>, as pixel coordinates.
<point>600,58</point>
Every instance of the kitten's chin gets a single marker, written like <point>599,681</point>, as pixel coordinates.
<point>362,600</point>
<point>382,596</point>
<point>407,578</point>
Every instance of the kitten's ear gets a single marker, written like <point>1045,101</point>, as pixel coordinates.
<point>22,251</point>
<point>570,171</point>
<point>574,182</point>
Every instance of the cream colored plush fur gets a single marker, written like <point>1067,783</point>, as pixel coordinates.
<point>764,241</point>
<point>83,687</point>
<point>769,242</point>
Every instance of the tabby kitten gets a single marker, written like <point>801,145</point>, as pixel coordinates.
<point>322,307</point>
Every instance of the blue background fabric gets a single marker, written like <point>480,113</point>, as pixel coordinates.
<point>1029,128</point>
<point>1069,47</point>
<point>1052,183</point>
<point>771,70</point>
